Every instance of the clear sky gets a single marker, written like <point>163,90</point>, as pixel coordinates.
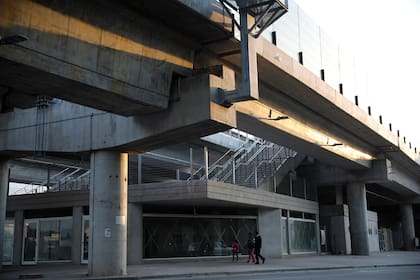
<point>386,35</point>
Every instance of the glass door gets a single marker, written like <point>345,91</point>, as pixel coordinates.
<point>8,237</point>
<point>30,240</point>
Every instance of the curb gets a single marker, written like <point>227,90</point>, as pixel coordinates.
<point>239,273</point>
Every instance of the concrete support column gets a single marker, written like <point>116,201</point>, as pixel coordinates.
<point>4,183</point>
<point>18,237</point>
<point>356,198</point>
<point>76,253</point>
<point>108,214</point>
<point>407,220</point>
<point>135,233</point>
<point>269,227</point>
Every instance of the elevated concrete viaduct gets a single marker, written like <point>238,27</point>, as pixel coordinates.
<point>122,77</point>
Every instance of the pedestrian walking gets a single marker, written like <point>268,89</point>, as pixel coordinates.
<point>235,250</point>
<point>258,246</point>
<point>251,248</point>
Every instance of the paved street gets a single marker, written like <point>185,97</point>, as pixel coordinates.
<point>386,265</point>
<point>383,273</point>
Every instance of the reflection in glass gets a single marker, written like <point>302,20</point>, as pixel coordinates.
<point>192,237</point>
<point>9,229</point>
<point>30,238</point>
<point>85,248</point>
<point>55,239</point>
<point>302,236</point>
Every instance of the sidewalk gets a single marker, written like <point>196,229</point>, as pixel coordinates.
<point>201,267</point>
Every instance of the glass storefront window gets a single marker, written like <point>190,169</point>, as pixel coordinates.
<point>191,237</point>
<point>302,235</point>
<point>47,239</point>
<point>30,240</point>
<point>55,239</point>
<point>8,237</point>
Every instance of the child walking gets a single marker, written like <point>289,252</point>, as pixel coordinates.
<point>235,250</point>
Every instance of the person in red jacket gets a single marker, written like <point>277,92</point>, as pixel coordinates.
<point>251,247</point>
<point>235,250</point>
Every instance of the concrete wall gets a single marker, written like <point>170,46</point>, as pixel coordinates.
<point>196,191</point>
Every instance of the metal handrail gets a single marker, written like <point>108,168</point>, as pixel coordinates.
<point>269,161</point>
<point>229,162</point>
<point>259,151</point>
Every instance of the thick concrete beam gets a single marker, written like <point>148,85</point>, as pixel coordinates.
<point>384,172</point>
<point>253,117</point>
<point>356,198</point>
<point>48,200</point>
<point>108,214</point>
<point>89,54</point>
<point>401,176</point>
<point>196,191</point>
<point>194,115</point>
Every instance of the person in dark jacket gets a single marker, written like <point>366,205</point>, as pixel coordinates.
<point>258,246</point>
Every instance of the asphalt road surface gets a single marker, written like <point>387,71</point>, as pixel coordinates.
<point>382,273</point>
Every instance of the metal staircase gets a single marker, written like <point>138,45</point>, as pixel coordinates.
<point>260,162</point>
<point>250,165</point>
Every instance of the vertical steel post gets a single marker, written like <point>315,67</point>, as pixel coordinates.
<point>191,163</point>
<point>206,162</point>
<point>233,172</point>
<point>256,178</point>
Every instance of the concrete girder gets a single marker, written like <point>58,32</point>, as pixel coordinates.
<point>74,128</point>
<point>86,53</point>
<point>383,172</point>
<point>252,116</point>
<point>289,77</point>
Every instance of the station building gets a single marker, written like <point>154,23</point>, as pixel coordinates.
<point>195,197</point>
